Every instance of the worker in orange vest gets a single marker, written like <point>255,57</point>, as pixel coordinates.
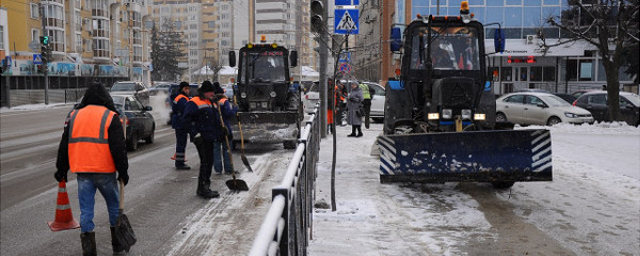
<point>203,121</point>
<point>220,149</point>
<point>93,146</point>
<point>177,107</point>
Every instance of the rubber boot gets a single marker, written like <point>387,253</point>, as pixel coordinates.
<point>353,131</point>
<point>117,248</point>
<point>359,128</point>
<point>88,240</point>
<point>204,191</point>
<point>181,166</point>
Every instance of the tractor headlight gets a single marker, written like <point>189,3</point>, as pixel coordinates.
<point>243,95</point>
<point>479,117</point>
<point>272,94</point>
<point>466,114</point>
<point>252,105</point>
<point>433,116</point>
<point>447,113</point>
<point>570,115</point>
<point>263,104</point>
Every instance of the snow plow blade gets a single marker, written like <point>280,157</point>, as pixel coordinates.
<point>268,126</point>
<point>479,156</point>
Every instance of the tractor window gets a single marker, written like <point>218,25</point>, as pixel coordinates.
<point>452,48</point>
<point>265,66</point>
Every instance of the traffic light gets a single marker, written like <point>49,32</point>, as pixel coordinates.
<point>318,16</point>
<point>44,40</point>
<point>44,54</point>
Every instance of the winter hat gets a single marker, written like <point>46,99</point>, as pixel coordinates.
<point>183,85</point>
<point>206,87</point>
<point>217,89</point>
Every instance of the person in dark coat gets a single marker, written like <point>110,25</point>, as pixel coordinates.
<point>220,149</point>
<point>95,154</point>
<point>354,114</point>
<point>203,121</point>
<point>177,108</point>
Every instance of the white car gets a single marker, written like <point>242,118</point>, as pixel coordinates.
<point>377,102</point>
<point>533,108</point>
<point>312,97</point>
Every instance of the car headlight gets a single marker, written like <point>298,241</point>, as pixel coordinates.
<point>272,94</point>
<point>243,95</point>
<point>264,104</point>
<point>466,114</point>
<point>252,105</point>
<point>447,113</point>
<point>570,115</point>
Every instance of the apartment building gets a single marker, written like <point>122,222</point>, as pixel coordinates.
<point>90,40</point>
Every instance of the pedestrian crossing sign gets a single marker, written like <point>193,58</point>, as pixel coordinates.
<point>346,21</point>
<point>37,58</point>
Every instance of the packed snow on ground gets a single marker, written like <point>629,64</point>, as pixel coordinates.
<point>391,219</point>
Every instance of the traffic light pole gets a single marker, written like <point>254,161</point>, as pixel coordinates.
<point>44,61</point>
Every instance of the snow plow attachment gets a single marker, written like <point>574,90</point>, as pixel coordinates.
<point>269,126</point>
<point>504,156</point>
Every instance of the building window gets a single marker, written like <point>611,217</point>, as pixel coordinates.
<point>34,11</point>
<point>79,42</point>
<point>35,35</point>
<point>1,37</point>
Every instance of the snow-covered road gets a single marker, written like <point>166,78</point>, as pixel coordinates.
<point>591,208</point>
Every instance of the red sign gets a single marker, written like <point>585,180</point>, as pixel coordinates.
<point>345,68</point>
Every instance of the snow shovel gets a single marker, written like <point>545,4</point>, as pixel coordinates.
<point>124,233</point>
<point>245,161</point>
<point>233,184</point>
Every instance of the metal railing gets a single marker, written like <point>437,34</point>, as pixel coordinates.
<point>286,227</point>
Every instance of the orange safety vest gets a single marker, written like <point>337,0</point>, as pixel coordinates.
<point>201,103</point>
<point>89,140</point>
<point>180,96</point>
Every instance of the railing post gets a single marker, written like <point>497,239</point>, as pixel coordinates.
<point>284,240</point>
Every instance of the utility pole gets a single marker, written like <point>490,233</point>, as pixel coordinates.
<point>45,61</point>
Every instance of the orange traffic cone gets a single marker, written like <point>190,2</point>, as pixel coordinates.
<point>64,218</point>
<point>174,157</point>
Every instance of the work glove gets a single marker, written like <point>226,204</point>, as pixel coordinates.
<point>60,175</point>
<point>225,132</point>
<point>124,177</point>
<point>197,139</point>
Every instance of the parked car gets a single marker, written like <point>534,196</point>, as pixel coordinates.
<point>567,97</point>
<point>137,120</point>
<point>596,103</point>
<point>159,88</point>
<point>173,91</point>
<point>377,102</point>
<point>579,93</point>
<point>534,108</point>
<point>312,97</point>
<point>135,88</point>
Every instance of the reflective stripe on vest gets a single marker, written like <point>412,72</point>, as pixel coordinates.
<point>89,140</point>
<point>179,97</point>
<point>201,103</point>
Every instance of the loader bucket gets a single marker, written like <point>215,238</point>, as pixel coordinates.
<point>481,156</point>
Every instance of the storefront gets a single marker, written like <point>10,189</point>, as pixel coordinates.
<point>562,69</point>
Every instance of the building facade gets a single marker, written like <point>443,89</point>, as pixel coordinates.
<point>90,40</point>
<point>523,65</point>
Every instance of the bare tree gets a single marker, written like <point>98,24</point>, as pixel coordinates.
<point>609,25</point>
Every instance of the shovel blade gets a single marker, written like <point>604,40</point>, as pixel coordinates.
<point>237,185</point>
<point>245,161</point>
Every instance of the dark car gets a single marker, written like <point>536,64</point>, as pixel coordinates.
<point>136,119</point>
<point>173,91</point>
<point>159,88</point>
<point>596,103</point>
<point>567,97</point>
